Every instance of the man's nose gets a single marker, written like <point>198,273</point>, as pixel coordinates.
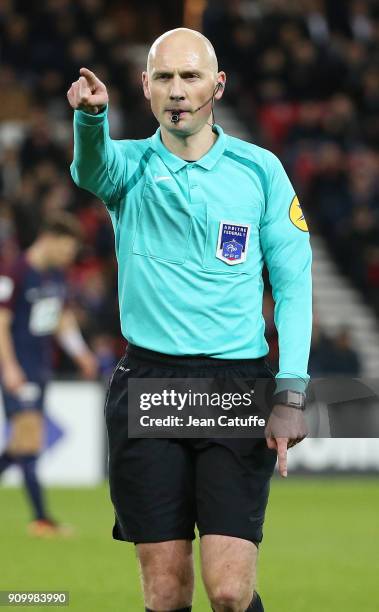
<point>177,92</point>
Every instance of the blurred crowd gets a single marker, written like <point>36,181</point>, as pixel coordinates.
<point>303,74</point>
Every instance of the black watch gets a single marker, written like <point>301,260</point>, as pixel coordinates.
<point>294,399</point>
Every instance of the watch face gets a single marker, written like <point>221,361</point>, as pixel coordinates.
<point>295,398</point>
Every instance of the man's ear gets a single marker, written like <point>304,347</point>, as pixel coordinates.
<point>145,85</point>
<point>221,81</point>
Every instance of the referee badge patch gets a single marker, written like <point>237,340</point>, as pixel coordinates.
<point>233,242</point>
<point>296,215</point>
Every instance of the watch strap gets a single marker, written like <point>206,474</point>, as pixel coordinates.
<point>294,399</point>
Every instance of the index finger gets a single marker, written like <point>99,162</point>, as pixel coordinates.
<point>90,76</point>
<point>282,455</point>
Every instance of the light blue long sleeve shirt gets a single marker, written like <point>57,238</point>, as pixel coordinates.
<point>191,239</point>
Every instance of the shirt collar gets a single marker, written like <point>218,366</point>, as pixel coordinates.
<point>175,163</point>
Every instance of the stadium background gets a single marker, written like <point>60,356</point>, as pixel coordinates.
<point>303,81</point>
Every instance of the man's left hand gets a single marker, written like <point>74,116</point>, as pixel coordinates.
<point>285,428</point>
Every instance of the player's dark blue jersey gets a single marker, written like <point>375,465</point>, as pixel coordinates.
<point>36,299</point>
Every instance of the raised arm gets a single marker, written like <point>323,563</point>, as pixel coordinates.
<point>99,162</point>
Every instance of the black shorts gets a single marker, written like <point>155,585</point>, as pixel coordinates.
<point>162,488</point>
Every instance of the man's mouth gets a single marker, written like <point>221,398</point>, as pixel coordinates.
<point>177,111</point>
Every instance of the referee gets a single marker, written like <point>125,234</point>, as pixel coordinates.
<point>196,213</point>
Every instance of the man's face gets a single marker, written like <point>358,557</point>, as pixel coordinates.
<point>181,76</point>
<point>61,251</point>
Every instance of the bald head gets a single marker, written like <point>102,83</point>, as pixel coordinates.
<point>182,77</point>
<point>183,39</point>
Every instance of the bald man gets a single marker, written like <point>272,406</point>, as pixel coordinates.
<point>196,213</point>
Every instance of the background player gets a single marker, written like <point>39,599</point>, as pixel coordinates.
<point>33,309</point>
